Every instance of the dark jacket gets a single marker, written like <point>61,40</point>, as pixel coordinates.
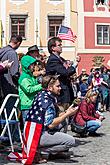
<point>83,88</point>
<point>85,113</point>
<point>55,66</point>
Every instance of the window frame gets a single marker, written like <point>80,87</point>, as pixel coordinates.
<point>96,34</point>
<point>50,18</point>
<point>20,16</point>
<point>104,3</point>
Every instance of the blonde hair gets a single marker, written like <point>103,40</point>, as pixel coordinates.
<point>90,93</point>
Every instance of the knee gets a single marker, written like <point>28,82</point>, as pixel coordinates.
<point>99,124</point>
<point>70,142</point>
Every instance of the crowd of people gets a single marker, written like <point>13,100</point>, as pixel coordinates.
<point>50,90</point>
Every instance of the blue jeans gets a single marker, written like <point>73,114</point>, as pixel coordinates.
<point>24,114</point>
<point>93,125</point>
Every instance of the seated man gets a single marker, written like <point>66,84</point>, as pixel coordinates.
<point>52,140</point>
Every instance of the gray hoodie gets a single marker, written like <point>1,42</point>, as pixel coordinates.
<point>8,79</point>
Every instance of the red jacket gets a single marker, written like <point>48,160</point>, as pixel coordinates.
<point>85,113</point>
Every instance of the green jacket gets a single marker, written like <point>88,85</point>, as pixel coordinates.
<point>28,84</point>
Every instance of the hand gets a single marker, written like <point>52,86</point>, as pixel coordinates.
<point>78,58</point>
<point>99,121</point>
<point>43,72</point>
<point>65,65</point>
<point>7,64</point>
<point>101,118</point>
<point>72,110</point>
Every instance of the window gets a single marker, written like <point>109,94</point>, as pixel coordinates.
<point>54,23</point>
<point>103,34</point>
<point>102,2</point>
<point>18,25</point>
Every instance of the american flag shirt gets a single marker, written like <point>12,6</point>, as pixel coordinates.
<point>43,109</point>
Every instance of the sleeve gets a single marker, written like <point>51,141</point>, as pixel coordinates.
<point>49,116</point>
<point>57,67</point>
<point>12,56</point>
<point>28,88</point>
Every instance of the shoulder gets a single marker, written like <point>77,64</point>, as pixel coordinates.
<point>53,57</point>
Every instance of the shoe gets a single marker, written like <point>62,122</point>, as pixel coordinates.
<point>61,155</point>
<point>81,135</point>
<point>39,159</point>
<point>94,134</point>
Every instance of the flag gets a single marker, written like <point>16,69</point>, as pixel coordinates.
<point>65,33</point>
<point>31,134</point>
<point>33,129</point>
<point>31,137</point>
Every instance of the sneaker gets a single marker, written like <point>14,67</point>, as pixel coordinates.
<point>94,134</point>
<point>61,155</point>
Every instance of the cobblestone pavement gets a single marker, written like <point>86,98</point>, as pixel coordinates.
<point>88,151</point>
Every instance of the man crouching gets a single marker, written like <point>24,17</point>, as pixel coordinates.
<point>52,141</point>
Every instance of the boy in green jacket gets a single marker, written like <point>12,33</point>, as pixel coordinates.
<point>28,84</point>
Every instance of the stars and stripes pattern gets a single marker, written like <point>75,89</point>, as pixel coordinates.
<point>33,129</point>
<point>65,33</point>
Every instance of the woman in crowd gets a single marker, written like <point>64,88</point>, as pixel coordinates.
<point>87,116</point>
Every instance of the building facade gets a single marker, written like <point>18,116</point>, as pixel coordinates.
<point>93,32</point>
<point>37,21</point>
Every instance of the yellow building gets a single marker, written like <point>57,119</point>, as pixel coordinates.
<point>37,20</point>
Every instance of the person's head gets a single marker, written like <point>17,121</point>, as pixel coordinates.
<point>97,74</point>
<point>52,84</point>
<point>92,71</point>
<point>105,69</point>
<point>91,96</point>
<point>33,51</point>
<point>28,63</point>
<point>84,79</point>
<point>83,71</point>
<point>20,55</point>
<point>55,45</point>
<point>15,41</point>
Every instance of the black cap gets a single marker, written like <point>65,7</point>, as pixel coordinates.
<point>33,48</point>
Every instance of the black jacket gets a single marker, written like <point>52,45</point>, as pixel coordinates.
<point>55,66</point>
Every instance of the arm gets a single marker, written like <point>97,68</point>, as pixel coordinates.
<point>28,88</point>
<point>12,56</point>
<point>105,84</point>
<point>55,65</point>
<point>56,121</point>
